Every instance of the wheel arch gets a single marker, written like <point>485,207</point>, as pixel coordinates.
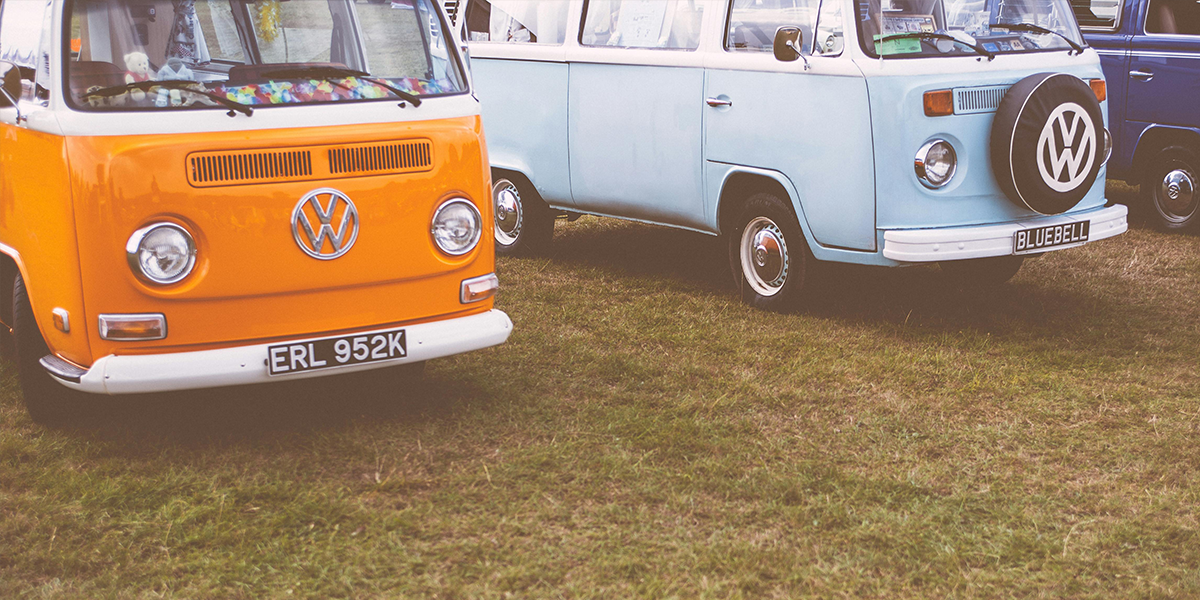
<point>1157,137</point>
<point>742,182</point>
<point>10,266</point>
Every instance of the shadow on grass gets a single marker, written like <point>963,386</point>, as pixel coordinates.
<point>853,293</point>
<point>253,413</point>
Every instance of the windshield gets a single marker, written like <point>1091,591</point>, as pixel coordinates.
<point>196,54</point>
<point>923,28</point>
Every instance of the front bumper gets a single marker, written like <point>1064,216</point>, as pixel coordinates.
<point>982,241</point>
<point>245,365</point>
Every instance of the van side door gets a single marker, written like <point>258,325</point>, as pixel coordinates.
<point>634,116</point>
<point>1164,67</point>
<point>808,119</point>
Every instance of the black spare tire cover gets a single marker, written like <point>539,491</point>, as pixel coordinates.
<point>1047,142</point>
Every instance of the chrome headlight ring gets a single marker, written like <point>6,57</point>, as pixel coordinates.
<point>456,227</point>
<point>935,163</point>
<point>168,244</point>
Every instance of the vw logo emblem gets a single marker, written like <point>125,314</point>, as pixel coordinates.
<point>1066,149</point>
<point>313,223</point>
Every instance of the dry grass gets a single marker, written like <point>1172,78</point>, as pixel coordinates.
<point>644,434</point>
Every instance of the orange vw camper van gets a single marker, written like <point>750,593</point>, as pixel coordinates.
<point>202,193</point>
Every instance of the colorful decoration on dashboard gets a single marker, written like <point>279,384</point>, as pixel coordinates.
<point>326,90</point>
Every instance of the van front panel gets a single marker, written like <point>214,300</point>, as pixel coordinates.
<point>253,280</point>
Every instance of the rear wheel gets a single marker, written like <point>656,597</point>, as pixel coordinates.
<point>768,254</point>
<point>49,402</point>
<point>1169,189</point>
<point>524,224</point>
<point>982,272</point>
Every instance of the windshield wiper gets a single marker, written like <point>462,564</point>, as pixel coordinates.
<point>328,73</point>
<point>1036,29</point>
<point>929,35</point>
<point>170,84</point>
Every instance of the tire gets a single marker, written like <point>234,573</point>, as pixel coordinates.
<point>768,255</point>
<point>49,402</point>
<point>982,273</point>
<point>1169,189</point>
<point>524,224</point>
<point>1047,142</point>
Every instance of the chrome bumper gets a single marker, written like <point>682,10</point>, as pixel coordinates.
<point>244,365</point>
<point>982,241</point>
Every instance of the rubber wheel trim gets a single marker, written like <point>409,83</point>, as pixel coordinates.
<point>799,259</point>
<point>1169,159</point>
<point>537,220</point>
<point>49,402</point>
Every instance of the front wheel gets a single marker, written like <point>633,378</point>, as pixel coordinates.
<point>524,224</point>
<point>768,254</point>
<point>1170,189</point>
<point>49,402</point>
<point>982,272</point>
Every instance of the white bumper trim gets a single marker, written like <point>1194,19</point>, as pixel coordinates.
<point>959,243</point>
<point>244,365</point>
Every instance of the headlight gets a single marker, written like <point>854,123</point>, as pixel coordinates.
<point>456,226</point>
<point>935,163</point>
<point>162,253</point>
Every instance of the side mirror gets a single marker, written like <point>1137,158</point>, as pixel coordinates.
<point>787,43</point>
<point>10,75</point>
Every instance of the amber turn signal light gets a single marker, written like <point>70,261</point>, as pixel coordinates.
<point>479,288</point>
<point>939,103</point>
<point>133,327</point>
<point>1099,89</point>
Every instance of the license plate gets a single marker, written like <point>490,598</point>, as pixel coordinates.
<point>342,351</point>
<point>1040,239</point>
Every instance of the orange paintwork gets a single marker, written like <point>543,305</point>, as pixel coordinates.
<point>252,282</point>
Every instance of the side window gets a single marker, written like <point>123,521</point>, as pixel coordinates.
<point>1173,17</point>
<point>516,21</point>
<point>752,23</point>
<point>1097,14</point>
<point>659,24</point>
<point>25,42</point>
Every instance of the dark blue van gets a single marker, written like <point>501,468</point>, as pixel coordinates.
<point>1150,51</point>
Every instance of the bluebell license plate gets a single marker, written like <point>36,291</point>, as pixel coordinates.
<point>1041,239</point>
<point>342,351</point>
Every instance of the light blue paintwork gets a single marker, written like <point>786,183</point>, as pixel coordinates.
<point>526,125</point>
<point>818,136</point>
<point>635,140</point>
<point>644,145</point>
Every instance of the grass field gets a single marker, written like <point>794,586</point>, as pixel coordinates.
<point>643,434</point>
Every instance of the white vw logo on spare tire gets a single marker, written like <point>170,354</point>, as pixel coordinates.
<point>1067,147</point>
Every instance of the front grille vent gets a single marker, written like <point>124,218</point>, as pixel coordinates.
<point>224,168</point>
<point>981,99</point>
<point>391,157</point>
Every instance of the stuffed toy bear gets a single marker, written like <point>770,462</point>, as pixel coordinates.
<point>137,69</point>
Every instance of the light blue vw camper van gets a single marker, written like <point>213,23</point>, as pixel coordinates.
<point>970,133</point>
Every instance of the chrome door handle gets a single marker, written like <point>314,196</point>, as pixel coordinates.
<point>718,102</point>
<point>1143,75</point>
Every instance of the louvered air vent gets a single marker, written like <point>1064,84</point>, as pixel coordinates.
<point>375,159</point>
<point>981,99</point>
<point>231,168</point>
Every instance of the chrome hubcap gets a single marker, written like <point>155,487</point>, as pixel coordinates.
<point>1178,193</point>
<point>508,212</point>
<point>764,256</point>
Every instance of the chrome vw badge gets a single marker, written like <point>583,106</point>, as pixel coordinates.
<point>1066,149</point>
<point>313,223</point>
